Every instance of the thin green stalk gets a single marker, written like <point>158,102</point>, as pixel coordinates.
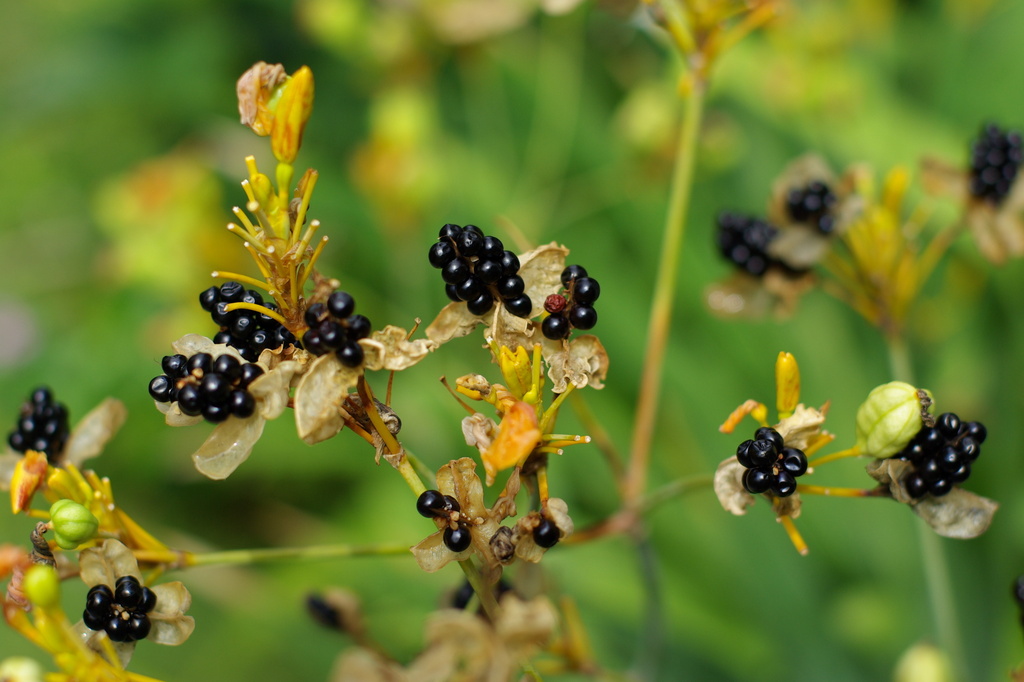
<point>664,295</point>
<point>652,630</point>
<point>252,556</point>
<point>933,559</point>
<point>483,591</point>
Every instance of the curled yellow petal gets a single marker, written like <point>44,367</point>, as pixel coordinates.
<point>787,384</point>
<point>29,474</point>
<point>293,110</point>
<point>518,435</point>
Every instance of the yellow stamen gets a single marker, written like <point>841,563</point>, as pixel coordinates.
<point>836,492</point>
<point>307,184</point>
<point>308,237</point>
<point>311,264</point>
<point>259,261</point>
<point>244,219</point>
<point>751,407</point>
<point>794,535</point>
<point>242,305</point>
<point>842,454</point>
<point>550,414</point>
<point>444,380</point>
<point>252,281</point>
<point>542,485</point>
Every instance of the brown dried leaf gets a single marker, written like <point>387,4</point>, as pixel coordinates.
<point>728,485</point>
<point>173,416</point>
<point>479,430</point>
<point>229,445</point>
<point>104,564</point>
<point>255,89</point>
<point>432,554</point>
<point>582,361</point>
<point>802,427</point>
<point>398,351</point>
<point>453,322</point>
<point>271,389</point>
<point>943,180</point>
<point>91,434</point>
<point>361,664</point>
<point>960,514</point>
<point>541,270</point>
<point>319,396</point>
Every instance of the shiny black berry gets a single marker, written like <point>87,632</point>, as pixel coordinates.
<point>431,503</point>
<point>757,481</point>
<point>585,291</point>
<point>768,433</point>
<point>441,253</point>
<point>457,540</point>
<point>160,389</point>
<point>481,304</point>
<point>520,306</point>
<point>174,365</point>
<point>351,354</point>
<point>449,231</point>
<point>241,404</point>
<point>556,327</point>
<point>341,304</point>
<point>572,272</point>
<point>138,626</point>
<point>582,317</point>
<point>546,534</point>
<point>128,592</point>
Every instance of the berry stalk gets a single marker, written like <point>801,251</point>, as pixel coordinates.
<point>664,295</point>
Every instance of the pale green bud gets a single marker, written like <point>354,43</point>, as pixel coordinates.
<point>890,418</point>
<point>73,524</point>
<point>41,585</point>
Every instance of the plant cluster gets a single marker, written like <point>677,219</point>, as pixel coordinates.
<point>288,344</point>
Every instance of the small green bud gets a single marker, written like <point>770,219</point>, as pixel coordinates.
<point>41,585</point>
<point>73,524</point>
<point>890,418</point>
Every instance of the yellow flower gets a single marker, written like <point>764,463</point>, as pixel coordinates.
<point>886,260</point>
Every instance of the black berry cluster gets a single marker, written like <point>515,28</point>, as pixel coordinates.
<point>573,309</point>
<point>335,327</point>
<point>248,331</point>
<point>42,426</point>
<point>203,385</point>
<point>995,159</point>
<point>478,269</point>
<point>771,466</point>
<point>432,504</point>
<point>121,612</point>
<point>744,240</point>
<point>812,205</point>
<point>942,455</point>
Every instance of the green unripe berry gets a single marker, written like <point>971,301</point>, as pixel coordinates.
<point>42,586</point>
<point>73,524</point>
<point>890,418</point>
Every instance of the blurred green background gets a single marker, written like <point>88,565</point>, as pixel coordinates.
<point>121,156</point>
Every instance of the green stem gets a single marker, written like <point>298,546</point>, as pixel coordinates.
<point>664,295</point>
<point>933,559</point>
<point>253,556</point>
<point>483,591</point>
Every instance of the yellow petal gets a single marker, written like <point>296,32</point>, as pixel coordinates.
<point>787,384</point>
<point>293,110</point>
<point>518,435</point>
<point>28,476</point>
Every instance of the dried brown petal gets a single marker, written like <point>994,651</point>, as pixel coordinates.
<point>229,445</point>
<point>728,485</point>
<point>398,352</point>
<point>319,396</point>
<point>173,416</point>
<point>91,434</point>
<point>255,89</point>
<point>802,427</point>
<point>525,625</point>
<point>581,362</point>
<point>479,430</point>
<point>432,554</point>
<point>361,664</point>
<point>103,565</point>
<point>959,514</point>
<point>453,322</point>
<point>169,624</point>
<point>271,389</point>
